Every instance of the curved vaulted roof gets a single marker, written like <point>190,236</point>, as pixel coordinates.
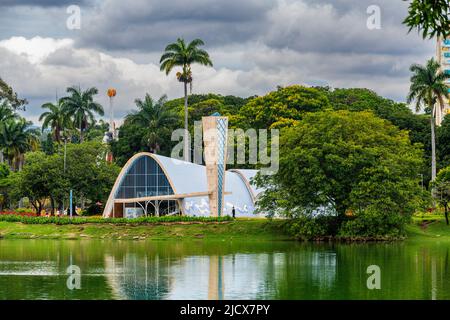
<point>247,175</point>
<point>188,178</point>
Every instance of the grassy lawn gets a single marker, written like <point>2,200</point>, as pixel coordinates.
<point>243,229</point>
<point>428,227</point>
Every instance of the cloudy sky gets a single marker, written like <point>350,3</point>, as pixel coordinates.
<point>255,46</point>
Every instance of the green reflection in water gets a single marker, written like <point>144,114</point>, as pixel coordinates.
<point>36,269</point>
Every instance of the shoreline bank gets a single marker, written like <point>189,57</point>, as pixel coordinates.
<point>240,229</point>
<point>251,229</point>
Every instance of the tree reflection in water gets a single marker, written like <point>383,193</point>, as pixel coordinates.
<point>36,269</point>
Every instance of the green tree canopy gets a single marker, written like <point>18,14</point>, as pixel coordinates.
<point>9,97</point>
<point>341,161</point>
<point>442,189</point>
<point>6,113</point>
<point>361,99</point>
<point>96,131</point>
<point>81,107</point>
<point>43,176</point>
<point>157,119</point>
<point>280,108</point>
<point>4,171</point>
<point>4,174</point>
<point>129,142</point>
<point>16,138</point>
<point>443,143</point>
<point>55,118</point>
<point>132,134</point>
<point>88,174</point>
<point>225,105</point>
<point>429,17</point>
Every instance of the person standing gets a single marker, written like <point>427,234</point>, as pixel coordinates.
<point>233,212</point>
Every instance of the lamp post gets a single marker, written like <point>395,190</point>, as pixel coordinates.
<point>65,161</point>
<point>71,205</point>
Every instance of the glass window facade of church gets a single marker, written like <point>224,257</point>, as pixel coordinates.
<point>145,178</point>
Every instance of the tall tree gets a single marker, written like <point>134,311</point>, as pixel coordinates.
<point>80,105</point>
<point>184,55</point>
<point>55,118</point>
<point>16,138</point>
<point>155,118</point>
<point>442,190</point>
<point>336,162</point>
<point>6,113</point>
<point>428,89</point>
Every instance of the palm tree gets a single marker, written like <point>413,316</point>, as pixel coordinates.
<point>6,113</point>
<point>16,138</point>
<point>428,88</point>
<point>155,118</point>
<point>56,118</point>
<point>80,105</point>
<point>182,55</point>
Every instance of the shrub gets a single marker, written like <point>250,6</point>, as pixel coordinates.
<point>99,220</point>
<point>375,224</point>
<point>16,213</point>
<point>92,210</point>
<point>313,228</point>
<point>22,210</point>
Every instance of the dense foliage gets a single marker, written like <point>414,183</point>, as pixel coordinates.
<point>157,119</point>
<point>9,98</point>
<point>98,220</point>
<point>441,190</point>
<point>44,177</point>
<point>16,138</point>
<point>134,135</point>
<point>81,108</point>
<point>280,108</point>
<point>343,163</point>
<point>352,162</point>
<point>429,17</point>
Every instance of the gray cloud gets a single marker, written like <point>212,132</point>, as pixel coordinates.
<point>150,25</point>
<point>337,27</point>
<point>255,45</point>
<point>302,25</point>
<point>42,3</point>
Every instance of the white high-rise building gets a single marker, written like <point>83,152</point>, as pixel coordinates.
<point>443,57</point>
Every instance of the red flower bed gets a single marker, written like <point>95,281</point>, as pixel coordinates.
<point>25,214</point>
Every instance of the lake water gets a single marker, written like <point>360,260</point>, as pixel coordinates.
<point>37,269</point>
